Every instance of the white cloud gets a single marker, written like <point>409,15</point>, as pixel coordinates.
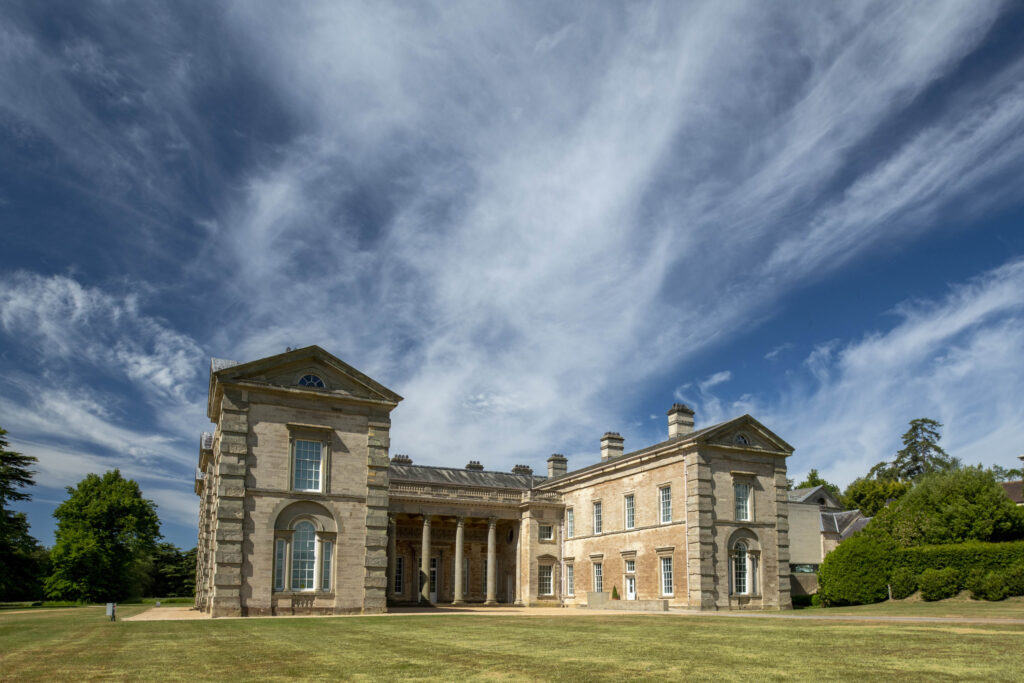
<point>956,360</point>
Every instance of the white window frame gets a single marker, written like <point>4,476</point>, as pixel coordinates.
<point>319,470</point>
<point>631,566</point>
<point>570,523</point>
<point>598,578</point>
<point>598,518</point>
<point>667,584</point>
<point>665,504</point>
<point>546,532</point>
<point>570,579</point>
<point>545,579</point>
<point>326,558</point>
<point>629,511</point>
<point>295,582</point>
<point>743,510</point>
<point>399,581</point>
<point>740,569</point>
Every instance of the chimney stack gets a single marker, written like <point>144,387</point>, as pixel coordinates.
<point>522,469</point>
<point>680,420</point>
<point>558,465</point>
<point>474,465</point>
<point>401,459</point>
<point>611,445</point>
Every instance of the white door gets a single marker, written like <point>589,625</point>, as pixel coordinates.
<point>631,588</point>
<point>433,579</point>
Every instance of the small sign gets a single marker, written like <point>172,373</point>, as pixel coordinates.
<point>112,611</point>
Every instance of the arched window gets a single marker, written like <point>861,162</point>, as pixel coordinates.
<point>311,381</point>
<point>303,557</point>
<point>739,569</point>
<point>741,440</point>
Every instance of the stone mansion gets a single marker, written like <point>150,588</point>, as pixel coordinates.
<point>303,511</point>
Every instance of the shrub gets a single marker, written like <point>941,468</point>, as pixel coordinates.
<point>801,600</point>
<point>615,593</point>
<point>939,584</point>
<point>815,600</point>
<point>903,582</point>
<point>991,587</point>
<point>1013,577</point>
<point>857,572</point>
<point>975,582</point>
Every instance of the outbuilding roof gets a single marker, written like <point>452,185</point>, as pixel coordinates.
<point>463,477</point>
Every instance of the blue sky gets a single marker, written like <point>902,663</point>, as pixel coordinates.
<point>537,222</point>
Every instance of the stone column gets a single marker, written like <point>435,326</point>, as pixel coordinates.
<point>492,558</point>
<point>460,524</point>
<point>425,561</point>
<point>392,554</point>
<point>519,551</point>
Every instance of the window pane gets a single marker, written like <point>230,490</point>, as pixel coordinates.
<point>570,580</point>
<point>546,532</point>
<point>598,578</point>
<point>629,512</point>
<point>279,556</point>
<point>570,524</point>
<point>303,556</point>
<point>307,465</point>
<point>740,569</point>
<point>544,580</point>
<point>325,572</point>
<point>597,518</point>
<point>666,576</point>
<point>666,504</point>
<point>399,575</point>
<point>742,501</point>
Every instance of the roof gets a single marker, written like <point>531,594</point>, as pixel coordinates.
<point>463,477</point>
<point>810,494</point>
<point>697,435</point>
<point>1015,491</point>
<point>844,523</point>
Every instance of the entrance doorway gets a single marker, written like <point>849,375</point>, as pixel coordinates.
<point>631,588</point>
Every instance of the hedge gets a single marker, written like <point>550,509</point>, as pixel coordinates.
<point>964,557</point>
<point>903,582</point>
<point>856,572</point>
<point>939,584</point>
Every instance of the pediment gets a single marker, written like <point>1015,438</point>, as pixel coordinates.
<point>288,369</point>
<point>744,432</point>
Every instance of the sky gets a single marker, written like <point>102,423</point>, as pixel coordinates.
<point>536,221</point>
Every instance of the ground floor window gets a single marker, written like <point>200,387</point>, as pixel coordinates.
<point>280,553</point>
<point>803,569</point>
<point>744,570</point>
<point>325,571</point>
<point>399,575</point>
<point>666,576</point>
<point>303,557</point>
<point>544,583</point>
<point>598,578</point>
<point>570,588</point>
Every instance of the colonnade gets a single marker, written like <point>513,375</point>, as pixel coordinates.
<point>425,555</point>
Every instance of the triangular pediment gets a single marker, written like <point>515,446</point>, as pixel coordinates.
<point>743,432</point>
<point>288,370</point>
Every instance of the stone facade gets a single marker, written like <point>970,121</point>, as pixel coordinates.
<point>303,511</point>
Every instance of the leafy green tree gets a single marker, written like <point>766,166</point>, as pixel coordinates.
<point>20,554</point>
<point>951,507</point>
<point>814,479</point>
<point>172,572</point>
<point>105,531</point>
<point>1003,474</point>
<point>871,495</point>
<point>921,454</point>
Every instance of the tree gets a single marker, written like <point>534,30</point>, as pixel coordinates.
<point>921,454</point>
<point>814,479</point>
<point>20,554</point>
<point>172,572</point>
<point>105,532</point>
<point>1003,474</point>
<point>951,507</point>
<point>871,495</point>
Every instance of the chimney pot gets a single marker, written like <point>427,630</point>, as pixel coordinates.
<point>611,445</point>
<point>558,465</point>
<point>522,469</point>
<point>680,420</point>
<point>401,459</point>
<point>474,465</point>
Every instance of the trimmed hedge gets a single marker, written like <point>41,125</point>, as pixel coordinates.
<point>857,572</point>
<point>903,582</point>
<point>939,584</point>
<point>965,557</point>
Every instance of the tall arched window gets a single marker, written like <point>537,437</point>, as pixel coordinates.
<point>303,557</point>
<point>739,569</point>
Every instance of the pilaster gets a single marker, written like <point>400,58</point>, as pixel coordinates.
<point>376,564</point>
<point>700,564</point>
<point>229,509</point>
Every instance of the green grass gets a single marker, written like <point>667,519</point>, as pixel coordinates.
<point>80,644</point>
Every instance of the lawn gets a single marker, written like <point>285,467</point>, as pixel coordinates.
<point>80,644</point>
